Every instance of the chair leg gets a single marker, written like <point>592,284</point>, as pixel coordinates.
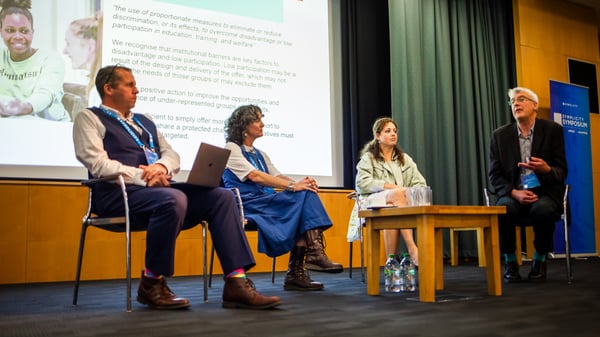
<point>453,247</point>
<point>273,270</point>
<point>79,261</point>
<point>529,242</point>
<point>568,258</point>
<point>350,261</point>
<point>204,253</point>
<point>212,260</point>
<point>128,268</point>
<point>518,251</point>
<point>567,251</point>
<point>362,256</point>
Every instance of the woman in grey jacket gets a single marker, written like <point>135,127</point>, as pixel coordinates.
<point>384,171</point>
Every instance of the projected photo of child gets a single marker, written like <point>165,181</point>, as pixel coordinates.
<point>31,80</point>
<point>83,46</point>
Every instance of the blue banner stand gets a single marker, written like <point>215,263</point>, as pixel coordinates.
<point>569,106</point>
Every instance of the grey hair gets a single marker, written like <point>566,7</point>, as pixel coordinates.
<point>514,91</point>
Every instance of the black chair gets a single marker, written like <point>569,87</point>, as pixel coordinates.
<point>121,224</point>
<point>249,226</point>
<point>525,222</point>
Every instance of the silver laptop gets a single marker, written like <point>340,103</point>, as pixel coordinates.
<point>208,166</point>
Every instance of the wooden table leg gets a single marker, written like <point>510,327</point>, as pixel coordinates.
<point>439,260</point>
<point>373,270</point>
<point>492,256</point>
<point>427,254</point>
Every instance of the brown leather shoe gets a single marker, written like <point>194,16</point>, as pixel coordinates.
<point>156,294</point>
<point>316,259</point>
<point>241,293</point>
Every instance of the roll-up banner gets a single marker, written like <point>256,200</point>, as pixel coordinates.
<point>569,106</point>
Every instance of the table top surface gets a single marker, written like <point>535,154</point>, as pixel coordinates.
<point>433,209</point>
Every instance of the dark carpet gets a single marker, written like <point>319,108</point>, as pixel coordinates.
<point>551,308</point>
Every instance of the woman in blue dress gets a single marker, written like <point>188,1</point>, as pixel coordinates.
<point>292,220</point>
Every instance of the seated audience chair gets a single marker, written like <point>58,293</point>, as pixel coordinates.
<point>120,224</point>
<point>526,223</point>
<point>454,245</point>
<point>524,226</point>
<point>454,233</point>
<point>249,225</point>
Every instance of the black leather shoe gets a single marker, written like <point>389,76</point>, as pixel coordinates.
<point>511,272</point>
<point>538,271</point>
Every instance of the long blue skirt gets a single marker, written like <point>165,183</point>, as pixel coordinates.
<point>282,218</point>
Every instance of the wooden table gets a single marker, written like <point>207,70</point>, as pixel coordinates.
<point>429,222</point>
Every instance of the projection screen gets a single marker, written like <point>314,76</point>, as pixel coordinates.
<point>195,61</point>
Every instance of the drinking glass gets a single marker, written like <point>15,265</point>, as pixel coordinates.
<point>416,196</point>
<point>409,196</point>
<point>426,195</point>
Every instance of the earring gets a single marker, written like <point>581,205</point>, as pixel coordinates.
<point>245,134</point>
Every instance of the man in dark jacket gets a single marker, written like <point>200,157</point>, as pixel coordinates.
<point>528,168</point>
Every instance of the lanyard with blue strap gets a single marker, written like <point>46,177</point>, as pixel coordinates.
<point>529,179</point>
<point>256,159</point>
<point>151,155</point>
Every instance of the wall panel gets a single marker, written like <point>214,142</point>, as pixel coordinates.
<point>547,34</point>
<point>41,224</point>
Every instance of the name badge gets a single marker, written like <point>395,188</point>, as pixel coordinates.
<point>151,156</point>
<point>530,181</point>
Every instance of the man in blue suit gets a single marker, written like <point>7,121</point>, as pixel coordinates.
<point>110,140</point>
<point>528,168</point>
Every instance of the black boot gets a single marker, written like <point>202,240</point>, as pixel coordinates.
<point>538,270</point>
<point>511,272</point>
<point>296,277</point>
<point>316,259</point>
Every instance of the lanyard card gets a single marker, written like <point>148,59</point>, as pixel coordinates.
<point>151,156</point>
<point>530,181</point>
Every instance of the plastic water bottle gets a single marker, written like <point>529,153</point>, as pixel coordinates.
<point>391,272</point>
<point>409,274</point>
<point>403,278</point>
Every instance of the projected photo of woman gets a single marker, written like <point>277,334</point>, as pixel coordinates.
<point>31,80</point>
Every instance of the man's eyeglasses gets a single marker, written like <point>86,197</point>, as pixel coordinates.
<point>520,99</point>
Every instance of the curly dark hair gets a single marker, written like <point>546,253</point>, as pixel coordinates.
<point>373,145</point>
<point>10,7</point>
<point>240,118</point>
